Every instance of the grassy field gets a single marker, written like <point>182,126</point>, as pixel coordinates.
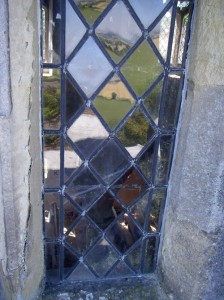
<point>91,11</point>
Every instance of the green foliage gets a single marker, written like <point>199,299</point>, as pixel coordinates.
<point>51,103</point>
<point>52,141</point>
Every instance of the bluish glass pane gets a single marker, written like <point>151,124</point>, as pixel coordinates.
<point>139,210</point>
<point>121,270</point>
<point>71,161</point>
<point>134,258</point>
<point>70,261</point>
<point>71,214</point>
<point>145,161</point>
<point>52,254</point>
<point>157,203</point>
<point>149,260</point>
<point>51,214</point>
<point>81,272</point>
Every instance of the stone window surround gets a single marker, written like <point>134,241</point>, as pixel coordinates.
<point>189,264</point>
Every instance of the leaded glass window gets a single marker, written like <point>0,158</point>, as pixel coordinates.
<point>112,78</point>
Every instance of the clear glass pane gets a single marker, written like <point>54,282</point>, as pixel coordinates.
<point>180,33</point>
<point>149,255</point>
<point>70,261</point>
<point>163,159</point>
<point>118,31</point>
<point>102,257</point>
<point>121,270</point>
<point>124,233</point>
<point>91,9</point>
<point>51,27</point>
<point>134,258</point>
<point>89,67</point>
<point>146,161</point>
<point>73,100</point>
<point>104,211</point>
<point>171,100</point>
<point>51,214</point>
<point>83,237</point>
<point>135,133</point>
<point>70,216</point>
<point>92,132</point>
<point>51,89</point>
<point>84,188</point>
<point>51,160</point>
<point>81,272</point>
<point>157,202</point>
<point>139,210</point>
<point>130,186</point>
<point>71,161</point>
<point>114,102</point>
<point>110,162</point>
<point>142,68</point>
<point>52,253</point>
<point>72,35</point>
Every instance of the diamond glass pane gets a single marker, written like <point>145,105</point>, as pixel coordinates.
<point>139,210</point>
<point>135,133</point>
<point>157,203</point>
<point>110,162</point>
<point>84,188</point>
<point>91,9</point>
<point>150,248</point>
<point>148,10</point>
<point>121,270</point>
<point>134,258</point>
<point>118,31</point>
<point>83,237</point>
<point>114,101</point>
<point>70,261</point>
<point>146,161</point>
<point>52,254</point>
<point>51,215</point>
<point>72,35</point>
<point>81,272</point>
<point>89,67</point>
<point>71,161</point>
<point>102,257</point>
<point>71,215</point>
<point>142,68</point>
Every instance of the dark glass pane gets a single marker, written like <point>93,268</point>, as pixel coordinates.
<point>163,159</point>
<point>134,258</point>
<point>84,188</point>
<point>102,257</point>
<point>142,68</point>
<point>70,260</point>
<point>81,272</point>
<point>51,213</point>
<point>171,100</point>
<point>91,9</point>
<point>51,26</point>
<point>51,160</point>
<point>118,31</point>
<point>180,33</point>
<point>139,210</point>
<point>157,203</point>
<point>149,255</point>
<point>121,270</point>
<point>130,186</point>
<point>51,89</point>
<point>148,10</point>
<point>84,235</point>
<point>110,162</point>
<point>124,233</point>
<point>104,211</point>
<point>73,100</point>
<point>146,161</point>
<point>92,132</point>
<point>114,102</point>
<point>70,215</point>
<point>72,35</point>
<point>52,252</point>
<point>135,133</point>
<point>71,161</point>
<point>89,67</point>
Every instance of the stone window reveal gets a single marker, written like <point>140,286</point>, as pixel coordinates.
<point>112,80</point>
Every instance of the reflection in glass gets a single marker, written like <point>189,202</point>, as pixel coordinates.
<point>146,161</point>
<point>139,210</point>
<point>51,89</point>
<point>51,160</point>
<point>72,35</point>
<point>135,133</point>
<point>121,270</point>
<point>171,100</point>
<point>142,68</point>
<point>51,27</point>
<point>83,237</point>
<point>110,162</point>
<point>52,252</point>
<point>149,255</point>
<point>118,31</point>
<point>84,188</point>
<point>155,210</point>
<point>51,214</point>
<point>124,233</point>
<point>114,101</point>
<point>70,260</point>
<point>91,9</point>
<point>89,67</point>
<point>92,132</point>
<point>73,100</point>
<point>104,211</point>
<point>71,161</point>
<point>102,257</point>
<point>130,186</point>
<point>163,159</point>
<point>81,272</point>
<point>134,258</point>
<point>70,216</point>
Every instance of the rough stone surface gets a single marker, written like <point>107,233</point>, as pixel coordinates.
<point>191,258</point>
